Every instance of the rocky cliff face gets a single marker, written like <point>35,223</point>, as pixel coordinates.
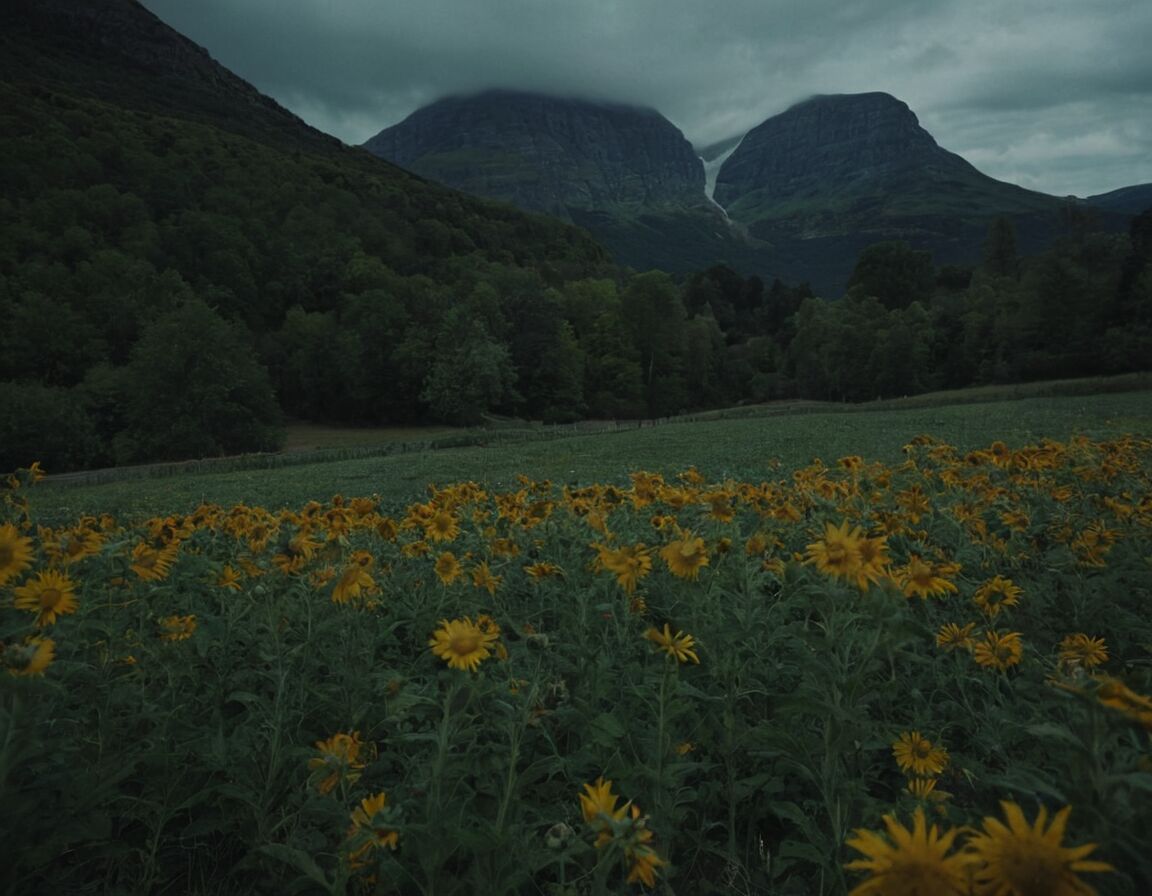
<point>549,154</point>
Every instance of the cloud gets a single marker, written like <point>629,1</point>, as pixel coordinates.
<point>1024,90</point>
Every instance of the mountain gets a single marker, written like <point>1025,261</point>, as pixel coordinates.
<point>119,52</point>
<point>836,173</point>
<point>548,154</point>
<point>624,173</point>
<point>797,197</point>
<point>1126,200</point>
<point>833,162</point>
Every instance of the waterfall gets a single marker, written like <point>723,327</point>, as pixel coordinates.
<point>712,171</point>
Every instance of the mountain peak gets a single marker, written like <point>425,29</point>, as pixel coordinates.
<point>548,153</point>
<point>831,143</point>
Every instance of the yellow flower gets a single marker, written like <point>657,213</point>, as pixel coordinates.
<point>443,526</point>
<point>295,552</point>
<point>914,503</point>
<point>629,564</point>
<point>543,570</point>
<point>448,568</point>
<point>916,755</point>
<point>461,643</point>
<point>908,862</point>
<point>415,549</point>
<point>339,760</point>
<point>503,547</point>
<point>387,529</point>
<point>998,651</point>
<point>152,564</point>
<point>873,568</point>
<point>756,544</point>
<point>75,545</point>
<point>354,582</point>
<point>177,628</point>
<point>28,659</point>
<point>483,577</point>
<point>1027,860</point>
<point>1117,695</point>
<point>229,578</point>
<point>598,804</point>
<point>1081,650</point>
<point>678,646</point>
<point>922,788</point>
<point>837,554</point>
<point>996,593</point>
<point>719,506</point>
<point>921,579</point>
<point>685,556</point>
<point>955,637</point>
<point>372,828</point>
<point>645,861</point>
<point>1016,520</point>
<point>49,595</point>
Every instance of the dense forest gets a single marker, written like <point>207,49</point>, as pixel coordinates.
<point>170,289</point>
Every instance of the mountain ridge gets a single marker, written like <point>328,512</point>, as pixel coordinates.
<point>546,153</point>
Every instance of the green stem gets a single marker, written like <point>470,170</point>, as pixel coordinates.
<point>510,781</point>
<point>9,736</point>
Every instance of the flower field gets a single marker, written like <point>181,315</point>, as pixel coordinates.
<point>924,677</point>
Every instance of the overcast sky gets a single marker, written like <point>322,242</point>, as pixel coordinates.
<point>1055,95</point>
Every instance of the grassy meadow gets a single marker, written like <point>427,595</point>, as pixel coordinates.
<point>868,651</point>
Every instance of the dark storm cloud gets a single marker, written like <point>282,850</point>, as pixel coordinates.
<point>1051,94</point>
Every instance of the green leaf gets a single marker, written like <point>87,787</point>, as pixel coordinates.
<point>606,730</point>
<point>1050,731</point>
<point>298,859</point>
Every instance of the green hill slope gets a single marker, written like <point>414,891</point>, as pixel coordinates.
<point>141,177</point>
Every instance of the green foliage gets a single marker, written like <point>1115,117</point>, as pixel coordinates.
<point>894,273</point>
<point>44,423</point>
<point>470,374</point>
<point>1000,258</point>
<point>195,389</point>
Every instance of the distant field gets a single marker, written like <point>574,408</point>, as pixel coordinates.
<point>751,447</point>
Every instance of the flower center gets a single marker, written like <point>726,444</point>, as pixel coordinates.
<point>462,645</point>
<point>49,597</point>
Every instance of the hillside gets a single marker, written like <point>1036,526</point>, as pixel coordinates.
<point>143,181</point>
<point>1126,200</point>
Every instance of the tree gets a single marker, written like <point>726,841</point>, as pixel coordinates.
<point>45,424</point>
<point>894,273</point>
<point>470,373</point>
<point>197,390</point>
<point>1000,258</point>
